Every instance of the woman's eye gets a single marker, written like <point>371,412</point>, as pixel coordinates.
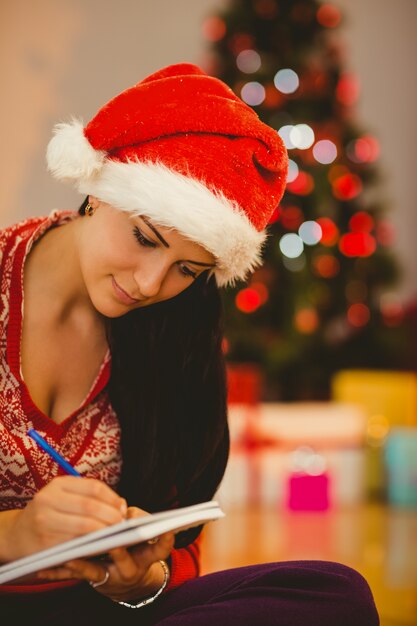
<point>142,239</point>
<point>186,271</point>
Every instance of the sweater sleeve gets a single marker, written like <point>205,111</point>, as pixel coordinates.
<point>185,564</point>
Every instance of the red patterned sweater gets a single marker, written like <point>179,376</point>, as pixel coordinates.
<point>89,438</point>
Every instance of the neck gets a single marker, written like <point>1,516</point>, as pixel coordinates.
<point>53,273</point>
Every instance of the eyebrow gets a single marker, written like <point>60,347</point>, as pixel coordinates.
<point>166,244</point>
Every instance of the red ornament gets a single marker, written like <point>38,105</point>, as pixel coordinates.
<point>302,185</point>
<point>329,231</point>
<point>347,187</point>
<point>358,314</point>
<point>328,15</point>
<point>214,28</point>
<point>357,244</point>
<point>361,222</point>
<point>248,300</point>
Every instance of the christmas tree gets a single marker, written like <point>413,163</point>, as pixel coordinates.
<point>323,300</point>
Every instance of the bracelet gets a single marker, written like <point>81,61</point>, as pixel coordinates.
<point>157,594</point>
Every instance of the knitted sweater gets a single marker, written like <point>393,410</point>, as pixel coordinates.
<point>89,438</point>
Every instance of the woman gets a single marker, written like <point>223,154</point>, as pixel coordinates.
<point>180,179</point>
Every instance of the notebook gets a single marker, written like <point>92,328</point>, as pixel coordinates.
<point>126,533</point>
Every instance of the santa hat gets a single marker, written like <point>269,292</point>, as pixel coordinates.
<point>182,149</point>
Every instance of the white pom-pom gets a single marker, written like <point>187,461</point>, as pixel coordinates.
<point>70,155</point>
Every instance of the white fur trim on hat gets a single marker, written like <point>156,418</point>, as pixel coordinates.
<point>177,201</point>
<point>70,155</point>
<point>173,200</point>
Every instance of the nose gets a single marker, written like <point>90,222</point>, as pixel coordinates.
<point>149,279</point>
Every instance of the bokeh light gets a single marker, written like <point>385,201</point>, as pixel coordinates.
<point>293,170</point>
<point>284,132</point>
<point>347,89</point>
<point>214,28</point>
<point>361,222</point>
<point>357,244</point>
<point>347,187</point>
<point>241,41</point>
<point>302,136</point>
<point>326,265</point>
<point>286,81</point>
<point>262,291</point>
<point>385,233</point>
<point>306,320</point>
<point>292,217</point>
<point>248,300</point>
<point>392,309</point>
<point>325,151</point>
<point>302,185</point>
<point>291,245</point>
<point>253,93</point>
<point>328,15</point>
<point>248,61</point>
<point>329,231</point>
<point>267,9</point>
<point>366,149</point>
<point>358,314</point>
<point>310,232</point>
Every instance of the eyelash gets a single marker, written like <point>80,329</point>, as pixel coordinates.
<point>142,240</point>
<point>185,271</point>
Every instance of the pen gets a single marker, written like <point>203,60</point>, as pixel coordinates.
<point>67,467</point>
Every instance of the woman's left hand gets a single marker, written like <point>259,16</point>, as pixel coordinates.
<point>133,574</point>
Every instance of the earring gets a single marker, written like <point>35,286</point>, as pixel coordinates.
<point>89,210</point>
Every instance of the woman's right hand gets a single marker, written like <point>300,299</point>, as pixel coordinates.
<point>65,508</point>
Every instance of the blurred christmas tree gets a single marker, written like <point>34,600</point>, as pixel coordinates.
<point>323,300</point>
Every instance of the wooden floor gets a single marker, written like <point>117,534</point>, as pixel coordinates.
<point>380,542</point>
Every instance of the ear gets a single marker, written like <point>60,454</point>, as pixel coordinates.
<point>93,201</point>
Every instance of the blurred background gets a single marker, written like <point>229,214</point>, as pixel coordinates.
<point>321,342</point>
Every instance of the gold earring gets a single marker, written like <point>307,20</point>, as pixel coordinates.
<point>89,210</point>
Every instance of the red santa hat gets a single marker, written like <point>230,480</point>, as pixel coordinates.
<point>182,149</point>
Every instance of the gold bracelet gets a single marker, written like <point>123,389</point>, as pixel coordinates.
<point>157,594</point>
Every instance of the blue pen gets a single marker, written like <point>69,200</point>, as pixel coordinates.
<point>52,453</point>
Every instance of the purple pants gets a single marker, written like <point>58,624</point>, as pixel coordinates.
<point>296,593</point>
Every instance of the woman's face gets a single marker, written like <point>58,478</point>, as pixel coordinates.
<point>128,262</point>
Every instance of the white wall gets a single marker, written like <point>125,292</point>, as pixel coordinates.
<point>63,57</point>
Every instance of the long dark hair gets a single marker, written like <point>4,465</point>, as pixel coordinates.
<point>168,388</point>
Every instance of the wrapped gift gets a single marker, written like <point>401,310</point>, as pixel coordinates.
<point>265,438</point>
<point>308,483</point>
<point>401,463</point>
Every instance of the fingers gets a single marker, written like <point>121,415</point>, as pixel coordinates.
<point>146,553</point>
<point>133,511</point>
<point>125,564</point>
<point>90,508</point>
<point>94,489</point>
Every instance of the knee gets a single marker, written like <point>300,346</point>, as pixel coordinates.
<point>326,592</point>
<point>353,602</point>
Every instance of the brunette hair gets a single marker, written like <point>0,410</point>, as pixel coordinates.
<point>168,388</point>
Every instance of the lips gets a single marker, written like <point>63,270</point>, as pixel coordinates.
<point>122,295</point>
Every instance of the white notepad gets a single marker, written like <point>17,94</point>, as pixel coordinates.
<point>126,533</point>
